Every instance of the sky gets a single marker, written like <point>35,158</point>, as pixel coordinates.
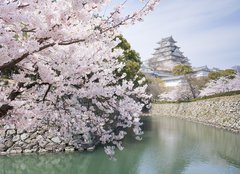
<point>208,31</point>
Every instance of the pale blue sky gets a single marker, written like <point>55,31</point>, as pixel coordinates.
<point>208,31</point>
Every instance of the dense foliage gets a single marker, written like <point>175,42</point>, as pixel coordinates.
<point>229,73</point>
<point>221,85</point>
<point>182,70</point>
<point>131,60</point>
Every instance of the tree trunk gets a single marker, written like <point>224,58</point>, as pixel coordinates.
<point>190,85</point>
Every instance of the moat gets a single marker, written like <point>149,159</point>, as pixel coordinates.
<point>169,146</point>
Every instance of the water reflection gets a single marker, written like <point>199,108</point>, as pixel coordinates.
<point>184,147</point>
<point>170,146</point>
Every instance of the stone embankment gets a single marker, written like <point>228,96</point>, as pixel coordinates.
<point>38,140</point>
<point>221,112</point>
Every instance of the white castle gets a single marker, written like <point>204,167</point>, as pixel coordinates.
<point>165,58</point>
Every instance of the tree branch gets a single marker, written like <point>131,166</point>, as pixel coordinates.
<point>25,55</point>
<point>45,95</point>
<point>72,41</point>
<point>28,30</point>
<point>14,61</point>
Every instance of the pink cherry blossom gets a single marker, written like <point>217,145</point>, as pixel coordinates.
<point>221,85</point>
<point>64,53</point>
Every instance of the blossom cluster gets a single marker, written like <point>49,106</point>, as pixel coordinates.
<point>181,93</point>
<point>221,85</point>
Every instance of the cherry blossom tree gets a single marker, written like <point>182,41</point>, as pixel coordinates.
<point>171,95</point>
<point>180,93</point>
<point>221,85</point>
<point>64,54</point>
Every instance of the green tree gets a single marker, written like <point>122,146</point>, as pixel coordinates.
<point>182,70</point>
<point>131,59</point>
<point>229,73</point>
<point>213,75</point>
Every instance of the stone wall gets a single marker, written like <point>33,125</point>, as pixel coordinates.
<point>41,139</point>
<point>222,112</point>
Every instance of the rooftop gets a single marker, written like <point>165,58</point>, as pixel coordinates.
<point>202,68</point>
<point>167,39</point>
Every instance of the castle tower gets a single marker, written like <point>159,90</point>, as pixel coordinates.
<point>166,56</point>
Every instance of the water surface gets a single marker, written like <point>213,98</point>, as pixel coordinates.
<point>169,146</point>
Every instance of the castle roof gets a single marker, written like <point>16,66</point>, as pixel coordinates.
<point>202,68</point>
<point>167,39</point>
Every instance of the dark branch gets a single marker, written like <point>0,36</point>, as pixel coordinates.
<point>48,89</point>
<point>29,30</point>
<point>13,95</point>
<point>72,41</point>
<point>23,6</point>
<point>14,61</point>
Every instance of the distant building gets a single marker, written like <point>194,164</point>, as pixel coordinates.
<point>201,71</point>
<point>165,58</point>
